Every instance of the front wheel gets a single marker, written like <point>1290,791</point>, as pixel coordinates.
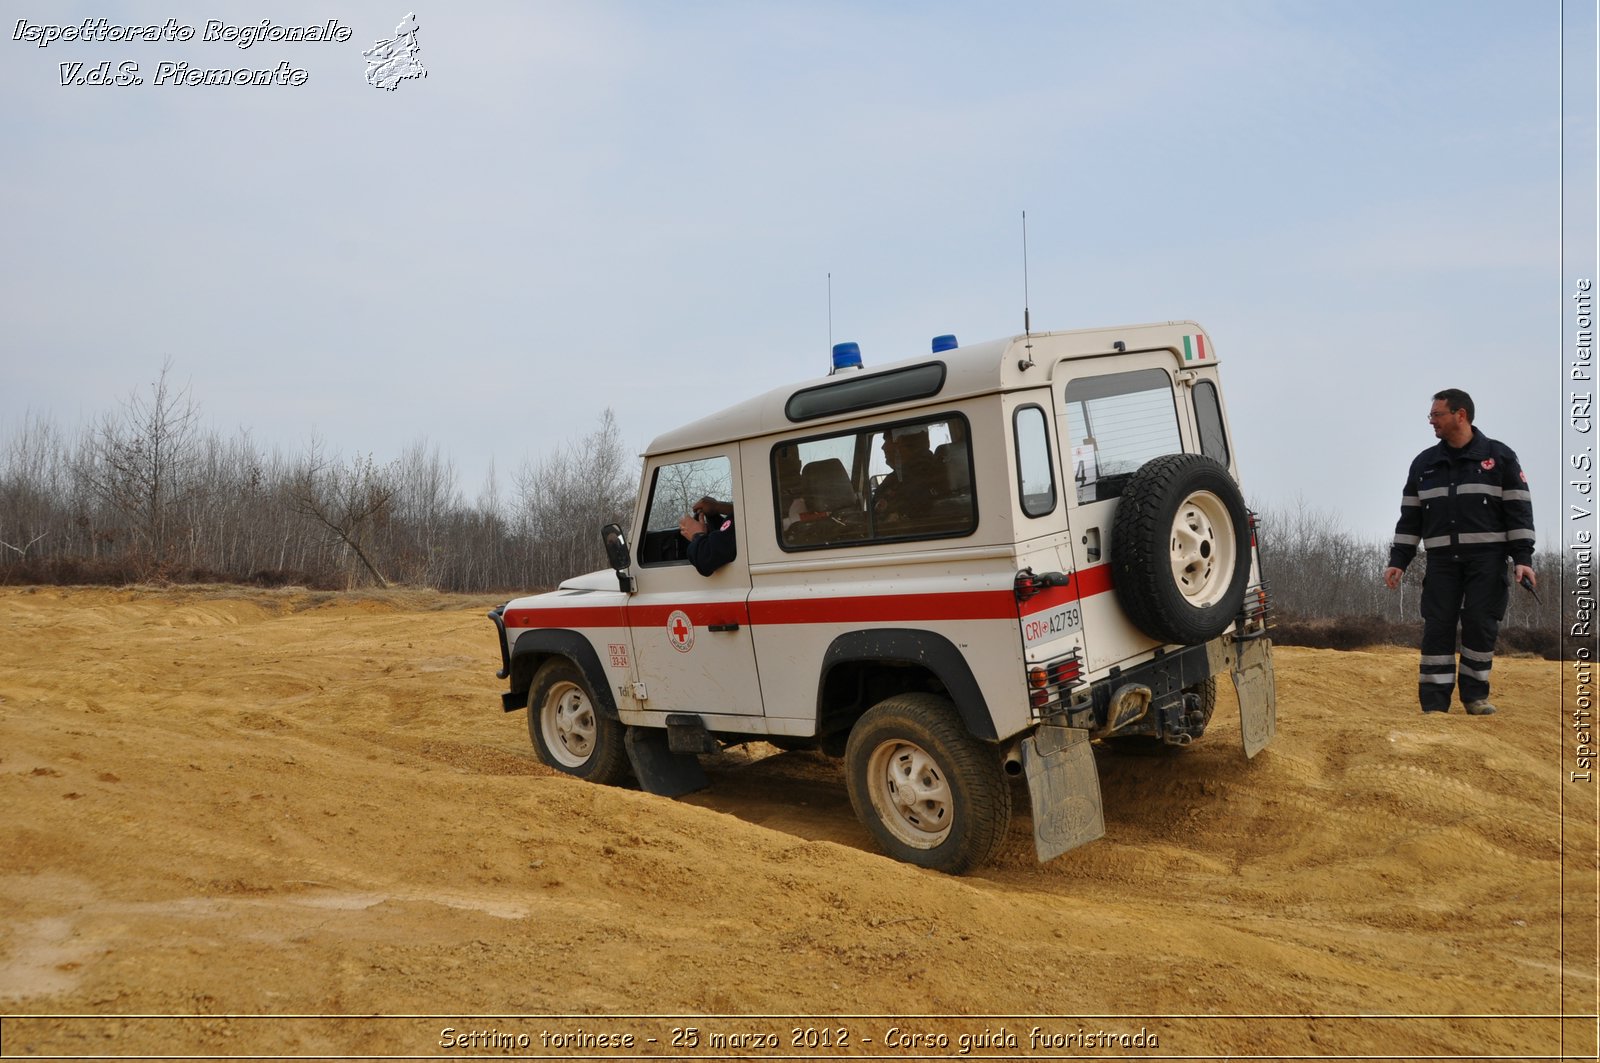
<point>569,732</point>
<point>930,793</point>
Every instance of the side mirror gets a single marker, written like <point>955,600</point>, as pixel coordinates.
<point>618,555</point>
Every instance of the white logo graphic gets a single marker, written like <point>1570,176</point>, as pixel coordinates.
<point>391,62</point>
<point>680,631</point>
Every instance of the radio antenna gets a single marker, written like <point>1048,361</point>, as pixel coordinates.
<point>1027,323</point>
<point>830,322</point>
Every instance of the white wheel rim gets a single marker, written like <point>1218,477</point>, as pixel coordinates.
<point>567,720</point>
<point>1202,549</point>
<point>911,794</point>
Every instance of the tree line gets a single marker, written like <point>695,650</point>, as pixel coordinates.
<point>1327,588</point>
<point>147,492</point>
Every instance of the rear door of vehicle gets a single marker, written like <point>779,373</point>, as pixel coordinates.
<point>1113,416</point>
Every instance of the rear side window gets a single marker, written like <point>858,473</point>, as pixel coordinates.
<point>1208,419</point>
<point>887,483</point>
<point>1036,478</point>
<point>1116,423</point>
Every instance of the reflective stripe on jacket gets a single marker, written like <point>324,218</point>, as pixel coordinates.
<point>1472,499</point>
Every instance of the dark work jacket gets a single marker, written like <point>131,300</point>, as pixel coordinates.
<point>1472,500</point>
<point>911,490</point>
<point>714,547</point>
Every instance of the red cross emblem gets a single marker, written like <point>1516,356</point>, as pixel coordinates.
<point>680,631</point>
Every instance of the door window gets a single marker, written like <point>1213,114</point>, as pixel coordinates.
<point>673,492</point>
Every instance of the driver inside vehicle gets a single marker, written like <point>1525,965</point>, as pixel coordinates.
<point>710,533</point>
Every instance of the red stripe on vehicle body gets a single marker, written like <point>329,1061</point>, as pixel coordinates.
<point>1089,582</point>
<point>881,608</point>
<point>871,609</point>
<point>1081,585</point>
<point>1049,598</point>
<point>566,616</point>
<point>701,614</point>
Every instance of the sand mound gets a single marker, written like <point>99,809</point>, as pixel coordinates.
<point>223,802</point>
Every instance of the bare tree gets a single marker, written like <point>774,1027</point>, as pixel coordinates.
<point>563,500</point>
<point>141,461</point>
<point>31,486</point>
<point>348,500</point>
<point>424,498</point>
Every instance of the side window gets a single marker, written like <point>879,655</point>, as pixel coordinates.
<point>1036,478</point>
<point>674,489</point>
<point>1116,423</point>
<point>1208,419</point>
<point>911,480</point>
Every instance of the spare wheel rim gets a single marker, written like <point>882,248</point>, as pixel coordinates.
<point>1201,549</point>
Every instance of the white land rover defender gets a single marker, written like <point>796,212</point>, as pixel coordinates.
<point>1051,549</point>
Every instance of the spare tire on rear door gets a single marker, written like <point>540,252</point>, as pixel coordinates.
<point>1180,549</point>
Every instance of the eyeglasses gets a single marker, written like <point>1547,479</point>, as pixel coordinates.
<point>1441,414</point>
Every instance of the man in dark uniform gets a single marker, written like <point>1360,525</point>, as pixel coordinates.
<point>710,535</point>
<point>914,480</point>
<point>1466,502</point>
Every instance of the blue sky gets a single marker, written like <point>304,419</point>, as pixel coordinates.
<point>638,205</point>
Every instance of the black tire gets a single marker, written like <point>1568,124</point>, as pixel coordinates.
<point>1180,550</point>
<point>569,731</point>
<point>1207,691</point>
<point>929,792</point>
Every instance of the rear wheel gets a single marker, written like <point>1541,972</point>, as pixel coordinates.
<point>930,793</point>
<point>569,731</point>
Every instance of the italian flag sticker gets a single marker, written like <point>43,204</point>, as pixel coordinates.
<point>1194,348</point>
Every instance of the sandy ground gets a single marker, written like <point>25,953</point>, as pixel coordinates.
<point>264,815</point>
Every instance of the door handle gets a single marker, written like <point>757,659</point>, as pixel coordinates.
<point>723,627</point>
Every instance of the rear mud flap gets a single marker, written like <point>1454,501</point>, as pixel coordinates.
<point>1064,787</point>
<point>1258,696</point>
<point>658,769</point>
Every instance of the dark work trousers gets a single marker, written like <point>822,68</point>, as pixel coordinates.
<point>1473,589</point>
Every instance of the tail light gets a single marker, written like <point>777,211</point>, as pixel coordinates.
<point>1050,683</point>
<point>1257,610</point>
<point>1029,583</point>
<point>1256,613</point>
